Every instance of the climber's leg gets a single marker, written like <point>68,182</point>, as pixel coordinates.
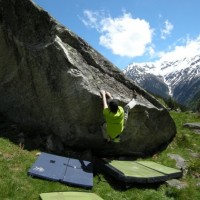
<point>127,108</point>
<point>104,133</point>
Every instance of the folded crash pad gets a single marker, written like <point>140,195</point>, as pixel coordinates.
<point>66,170</point>
<point>138,171</point>
<point>69,196</point>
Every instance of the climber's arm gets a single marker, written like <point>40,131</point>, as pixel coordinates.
<point>109,95</point>
<point>103,94</point>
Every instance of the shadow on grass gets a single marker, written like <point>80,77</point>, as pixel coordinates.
<point>121,186</point>
<point>11,131</point>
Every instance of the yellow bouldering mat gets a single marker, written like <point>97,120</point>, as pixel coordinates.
<point>69,196</point>
<point>138,171</point>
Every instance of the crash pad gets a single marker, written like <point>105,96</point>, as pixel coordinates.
<point>76,172</point>
<point>138,171</point>
<point>79,172</point>
<point>69,196</point>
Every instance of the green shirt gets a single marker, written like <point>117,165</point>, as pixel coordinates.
<point>114,121</point>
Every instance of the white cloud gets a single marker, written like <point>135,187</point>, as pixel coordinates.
<point>189,49</point>
<point>92,19</point>
<point>167,30</point>
<point>124,35</point>
<point>151,51</point>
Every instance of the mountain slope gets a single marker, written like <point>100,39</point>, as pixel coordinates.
<point>179,79</point>
<point>144,75</point>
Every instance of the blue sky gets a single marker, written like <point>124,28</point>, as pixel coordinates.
<point>126,31</point>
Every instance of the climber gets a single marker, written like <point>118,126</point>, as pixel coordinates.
<point>115,117</point>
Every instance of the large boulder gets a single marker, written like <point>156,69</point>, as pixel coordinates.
<point>50,81</point>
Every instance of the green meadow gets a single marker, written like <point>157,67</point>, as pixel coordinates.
<point>16,184</point>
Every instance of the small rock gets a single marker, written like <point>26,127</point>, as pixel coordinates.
<point>195,155</point>
<point>177,184</point>
<point>192,125</point>
<point>196,175</point>
<point>195,126</point>
<point>180,162</point>
<point>197,131</point>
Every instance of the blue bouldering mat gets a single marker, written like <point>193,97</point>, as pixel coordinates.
<point>66,170</point>
<point>138,171</point>
<point>49,167</point>
<point>69,196</point>
<point>79,172</point>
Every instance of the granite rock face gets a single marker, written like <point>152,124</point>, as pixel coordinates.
<point>50,80</point>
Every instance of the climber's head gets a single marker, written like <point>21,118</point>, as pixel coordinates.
<point>113,105</point>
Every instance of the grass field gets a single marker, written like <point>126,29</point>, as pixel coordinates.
<point>15,162</point>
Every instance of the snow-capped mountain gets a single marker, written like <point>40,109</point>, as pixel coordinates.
<point>179,79</point>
